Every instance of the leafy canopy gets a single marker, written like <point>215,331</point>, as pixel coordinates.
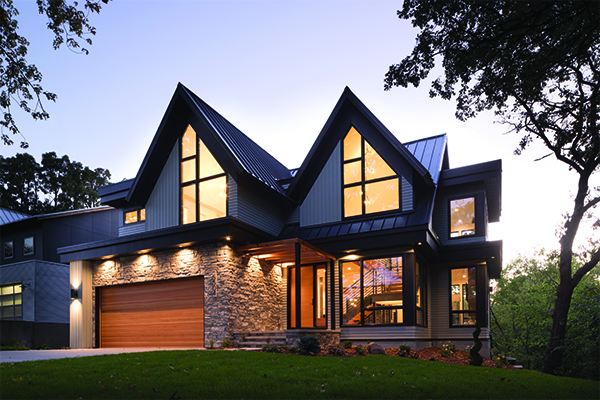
<point>20,82</point>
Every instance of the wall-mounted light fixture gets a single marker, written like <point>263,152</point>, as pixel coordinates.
<point>74,293</point>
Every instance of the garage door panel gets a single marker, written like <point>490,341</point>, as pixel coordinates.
<point>165,313</point>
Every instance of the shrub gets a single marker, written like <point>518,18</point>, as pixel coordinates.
<point>448,349</point>
<point>309,344</point>
<point>404,350</point>
<point>270,348</point>
<point>211,343</point>
<point>336,351</point>
<point>227,342</point>
<point>360,350</point>
<point>500,360</point>
<point>347,344</point>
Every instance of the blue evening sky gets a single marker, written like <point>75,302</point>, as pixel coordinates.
<point>275,69</point>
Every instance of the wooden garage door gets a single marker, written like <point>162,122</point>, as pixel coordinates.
<point>166,313</point>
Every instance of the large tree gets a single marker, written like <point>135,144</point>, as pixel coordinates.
<point>57,184</point>
<point>20,82</point>
<point>537,65</point>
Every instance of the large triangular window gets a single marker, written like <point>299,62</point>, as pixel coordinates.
<point>203,181</point>
<point>370,185</point>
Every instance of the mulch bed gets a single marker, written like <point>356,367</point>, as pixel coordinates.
<point>431,353</point>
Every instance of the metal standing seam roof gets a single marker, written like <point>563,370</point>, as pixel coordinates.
<point>253,158</point>
<point>430,153</point>
<point>9,216</point>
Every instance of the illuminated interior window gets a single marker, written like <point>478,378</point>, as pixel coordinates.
<point>370,185</point>
<point>374,296</point>
<point>203,181</point>
<point>463,296</point>
<point>462,217</point>
<point>131,217</point>
<point>11,301</point>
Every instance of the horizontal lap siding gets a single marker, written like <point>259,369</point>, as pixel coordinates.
<point>384,333</point>
<point>166,313</point>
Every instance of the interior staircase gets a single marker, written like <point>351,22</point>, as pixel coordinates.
<point>255,340</point>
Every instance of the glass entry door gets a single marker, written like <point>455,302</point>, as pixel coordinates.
<point>307,297</point>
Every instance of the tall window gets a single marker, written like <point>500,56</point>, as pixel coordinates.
<point>462,217</point>
<point>11,301</point>
<point>9,249</point>
<point>203,181</point>
<point>370,185</point>
<point>372,292</point>
<point>28,247</point>
<point>463,296</point>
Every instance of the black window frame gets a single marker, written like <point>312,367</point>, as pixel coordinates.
<point>362,183</point>
<point>197,180</point>
<point>407,315</point>
<point>139,215</point>
<point>12,243</point>
<point>423,307</point>
<point>476,311</point>
<point>291,270</point>
<point>32,246</point>
<point>478,199</point>
<point>13,306</point>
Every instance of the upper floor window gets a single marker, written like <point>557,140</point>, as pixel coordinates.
<point>28,248</point>
<point>203,181</point>
<point>11,301</point>
<point>370,185</point>
<point>131,217</point>
<point>463,296</point>
<point>9,249</point>
<point>462,217</point>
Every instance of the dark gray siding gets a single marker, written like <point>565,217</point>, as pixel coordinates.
<point>407,195</point>
<point>260,209</point>
<point>132,229</point>
<point>323,204</point>
<point>162,208</point>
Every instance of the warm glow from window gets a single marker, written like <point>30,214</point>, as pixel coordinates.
<point>463,295</point>
<point>143,214</point>
<point>462,217</point>
<point>204,184</point>
<point>131,217</point>
<point>366,189</point>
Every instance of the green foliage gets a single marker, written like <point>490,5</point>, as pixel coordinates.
<point>57,184</point>
<point>347,344</point>
<point>521,306</point>
<point>227,342</point>
<point>20,82</point>
<point>361,351</point>
<point>211,343</point>
<point>448,349</point>
<point>500,360</point>
<point>270,348</point>
<point>404,350</point>
<point>309,344</point>
<point>255,375</point>
<point>476,358</point>
<point>336,351</point>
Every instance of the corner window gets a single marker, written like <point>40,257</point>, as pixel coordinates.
<point>372,292</point>
<point>9,249</point>
<point>462,217</point>
<point>11,301</point>
<point>203,181</point>
<point>369,184</point>
<point>463,296</point>
<point>28,248</point>
<point>131,217</point>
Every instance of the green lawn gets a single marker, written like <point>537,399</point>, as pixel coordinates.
<point>248,375</point>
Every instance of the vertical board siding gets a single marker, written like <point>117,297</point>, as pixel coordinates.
<point>23,272</point>
<point>440,306</point>
<point>52,292</point>
<point>284,308</point>
<point>441,215</point>
<point>263,212</point>
<point>336,295</point>
<point>162,208</point>
<point>323,204</point>
<point>232,197</point>
<point>80,317</point>
<point>407,195</point>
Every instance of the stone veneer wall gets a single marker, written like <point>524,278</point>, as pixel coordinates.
<point>240,293</point>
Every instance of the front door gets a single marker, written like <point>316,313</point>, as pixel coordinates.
<point>307,305</point>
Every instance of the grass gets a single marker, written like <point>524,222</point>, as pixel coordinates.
<point>238,374</point>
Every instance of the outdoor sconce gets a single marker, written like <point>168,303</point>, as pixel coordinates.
<point>74,293</point>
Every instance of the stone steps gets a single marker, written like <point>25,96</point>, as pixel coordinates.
<point>259,339</point>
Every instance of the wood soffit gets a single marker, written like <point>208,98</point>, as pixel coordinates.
<point>284,252</point>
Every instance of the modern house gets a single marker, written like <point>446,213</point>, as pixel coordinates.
<point>34,284</point>
<point>370,239</point>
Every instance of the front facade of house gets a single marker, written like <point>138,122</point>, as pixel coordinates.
<point>370,239</point>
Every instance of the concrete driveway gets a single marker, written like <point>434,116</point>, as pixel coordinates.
<point>35,355</point>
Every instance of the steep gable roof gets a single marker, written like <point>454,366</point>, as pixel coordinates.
<point>432,153</point>
<point>350,111</point>
<point>235,152</point>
